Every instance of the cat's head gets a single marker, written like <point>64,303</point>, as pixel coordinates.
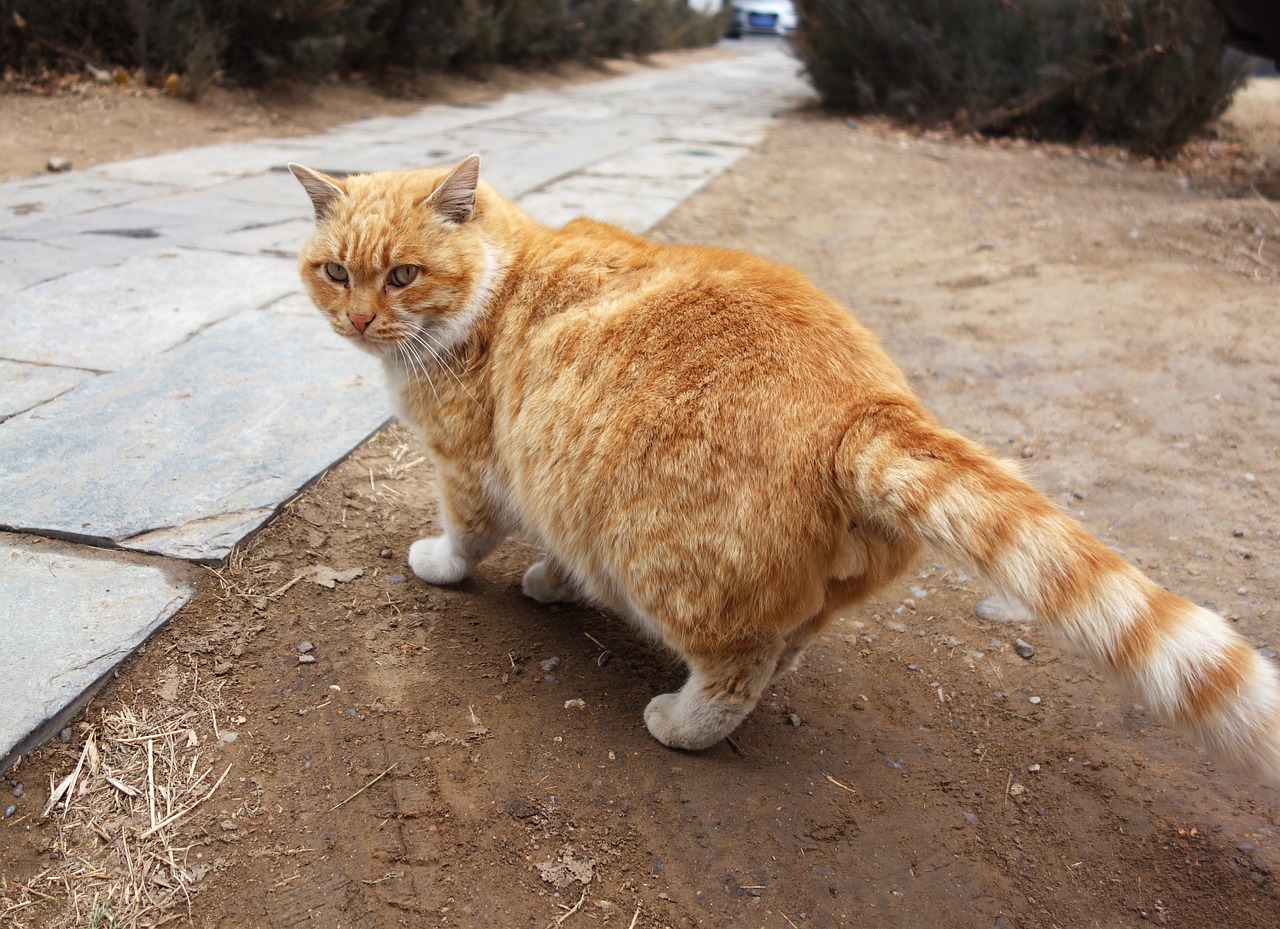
<point>398,262</point>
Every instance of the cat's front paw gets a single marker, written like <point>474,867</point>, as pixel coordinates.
<point>436,561</point>
<point>545,583</point>
<point>669,721</point>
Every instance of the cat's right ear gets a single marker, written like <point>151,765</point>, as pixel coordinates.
<point>322,189</point>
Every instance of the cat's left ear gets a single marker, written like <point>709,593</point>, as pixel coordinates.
<point>455,198</point>
<point>322,189</point>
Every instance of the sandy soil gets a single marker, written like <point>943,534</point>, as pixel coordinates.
<point>1110,324</point>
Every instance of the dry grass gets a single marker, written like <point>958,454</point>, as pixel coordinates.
<point>121,858</point>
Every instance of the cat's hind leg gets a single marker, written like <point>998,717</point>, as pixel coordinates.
<point>548,582</point>
<point>721,690</point>
<point>473,528</point>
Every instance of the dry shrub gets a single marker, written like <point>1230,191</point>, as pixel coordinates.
<point>1147,74</point>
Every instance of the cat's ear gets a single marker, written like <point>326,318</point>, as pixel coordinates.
<point>455,198</point>
<point>322,189</point>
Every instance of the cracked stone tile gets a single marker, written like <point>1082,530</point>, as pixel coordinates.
<point>71,616</point>
<point>26,386</point>
<point>105,319</point>
<point>189,452</point>
<point>26,201</point>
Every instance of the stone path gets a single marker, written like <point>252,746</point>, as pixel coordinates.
<point>165,386</point>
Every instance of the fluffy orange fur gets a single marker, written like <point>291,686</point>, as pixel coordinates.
<point>709,445</point>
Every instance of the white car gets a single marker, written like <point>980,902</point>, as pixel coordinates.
<point>762,17</point>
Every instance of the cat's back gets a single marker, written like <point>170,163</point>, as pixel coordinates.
<point>606,300</point>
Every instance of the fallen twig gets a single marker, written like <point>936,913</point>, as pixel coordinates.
<point>559,920</point>
<point>174,817</point>
<point>364,788</point>
<point>841,786</point>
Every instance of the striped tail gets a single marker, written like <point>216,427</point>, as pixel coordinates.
<point>912,477</point>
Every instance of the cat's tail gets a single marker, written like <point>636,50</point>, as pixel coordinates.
<point>914,478</point>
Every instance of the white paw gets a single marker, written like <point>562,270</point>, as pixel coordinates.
<point>537,586</point>
<point>674,723</point>
<point>436,561</point>
<point>659,719</point>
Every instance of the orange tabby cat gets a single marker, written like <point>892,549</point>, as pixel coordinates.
<point>707,444</point>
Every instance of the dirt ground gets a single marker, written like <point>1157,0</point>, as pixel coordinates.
<point>400,755</point>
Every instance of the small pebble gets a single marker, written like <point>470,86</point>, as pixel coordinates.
<point>1247,848</point>
<point>1034,768</point>
<point>550,664</point>
<point>58,164</point>
<point>1034,700</point>
<point>912,667</point>
<point>794,720</point>
<point>304,647</point>
<point>894,764</point>
<point>306,659</point>
<point>10,810</point>
<point>65,735</point>
<point>395,578</point>
<point>1238,533</point>
<point>350,712</point>
<point>970,818</point>
<point>1023,648</point>
<point>17,790</point>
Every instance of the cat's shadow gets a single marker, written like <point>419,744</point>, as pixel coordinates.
<point>551,655</point>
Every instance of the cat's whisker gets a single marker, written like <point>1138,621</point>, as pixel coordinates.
<point>442,358</point>
<point>440,355</point>
<point>416,364</point>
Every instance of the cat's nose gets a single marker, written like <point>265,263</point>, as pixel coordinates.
<point>359,320</point>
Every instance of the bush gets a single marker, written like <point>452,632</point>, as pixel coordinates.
<point>256,42</point>
<point>1144,73</point>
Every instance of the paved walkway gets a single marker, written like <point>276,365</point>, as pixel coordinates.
<point>165,386</point>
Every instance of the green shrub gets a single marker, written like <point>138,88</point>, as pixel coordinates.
<point>1144,73</point>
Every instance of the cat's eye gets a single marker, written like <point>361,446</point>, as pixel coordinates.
<point>336,272</point>
<point>402,276</point>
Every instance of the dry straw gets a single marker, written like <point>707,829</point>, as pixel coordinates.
<point>120,859</point>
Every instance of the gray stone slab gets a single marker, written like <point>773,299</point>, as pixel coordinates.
<point>672,160</point>
<point>625,203</point>
<point>22,202</point>
<point>117,233</point>
<point>70,616</point>
<point>515,166</point>
<point>188,453</point>
<point>277,187</point>
<point>398,156</point>
<point>278,240</point>
<point>23,386</point>
<point>104,319</point>
<point>25,263</point>
<point>194,168</point>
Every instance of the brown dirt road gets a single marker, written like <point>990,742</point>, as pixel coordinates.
<point>1109,323</point>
